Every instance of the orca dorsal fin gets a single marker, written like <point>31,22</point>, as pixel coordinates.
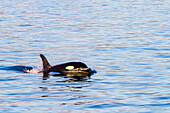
<point>45,62</point>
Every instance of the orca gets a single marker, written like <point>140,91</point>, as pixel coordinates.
<point>71,69</point>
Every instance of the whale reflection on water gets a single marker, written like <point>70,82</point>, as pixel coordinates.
<point>77,76</point>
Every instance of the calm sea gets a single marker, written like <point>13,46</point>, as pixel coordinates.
<point>126,41</point>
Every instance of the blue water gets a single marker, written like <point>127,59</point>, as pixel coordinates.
<point>126,41</point>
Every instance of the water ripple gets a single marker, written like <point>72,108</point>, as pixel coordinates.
<point>127,42</point>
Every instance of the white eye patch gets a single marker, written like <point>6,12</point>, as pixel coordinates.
<point>70,67</point>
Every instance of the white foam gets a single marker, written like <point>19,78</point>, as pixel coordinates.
<point>34,70</point>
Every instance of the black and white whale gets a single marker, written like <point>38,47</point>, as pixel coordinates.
<point>71,69</point>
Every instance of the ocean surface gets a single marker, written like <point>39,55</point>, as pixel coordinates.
<point>126,41</point>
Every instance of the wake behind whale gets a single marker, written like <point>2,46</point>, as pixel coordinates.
<point>21,69</point>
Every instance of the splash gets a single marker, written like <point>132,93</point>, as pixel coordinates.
<point>33,70</point>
